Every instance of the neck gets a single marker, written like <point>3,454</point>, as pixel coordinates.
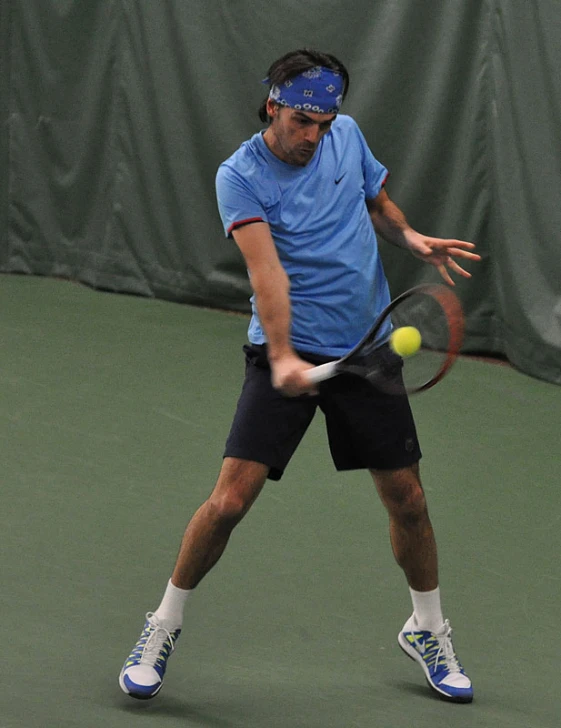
<point>272,145</point>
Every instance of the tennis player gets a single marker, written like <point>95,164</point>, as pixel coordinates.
<point>303,200</point>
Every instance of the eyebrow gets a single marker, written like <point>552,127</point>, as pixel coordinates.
<point>301,114</point>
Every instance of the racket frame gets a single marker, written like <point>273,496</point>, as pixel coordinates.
<point>452,308</point>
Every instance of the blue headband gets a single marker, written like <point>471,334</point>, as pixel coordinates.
<point>318,89</point>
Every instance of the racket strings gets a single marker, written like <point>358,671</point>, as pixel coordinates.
<point>436,313</point>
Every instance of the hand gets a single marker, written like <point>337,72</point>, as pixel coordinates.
<point>288,376</point>
<point>441,253</point>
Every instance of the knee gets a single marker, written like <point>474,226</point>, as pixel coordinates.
<point>407,504</point>
<point>238,485</point>
<point>228,509</point>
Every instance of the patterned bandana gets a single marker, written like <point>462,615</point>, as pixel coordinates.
<point>318,89</point>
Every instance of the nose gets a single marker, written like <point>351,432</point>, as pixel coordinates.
<point>313,134</point>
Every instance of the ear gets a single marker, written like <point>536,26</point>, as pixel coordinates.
<point>272,108</point>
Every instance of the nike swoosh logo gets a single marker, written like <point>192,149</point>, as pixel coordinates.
<point>340,178</point>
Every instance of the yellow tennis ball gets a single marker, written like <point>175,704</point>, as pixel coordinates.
<point>405,341</point>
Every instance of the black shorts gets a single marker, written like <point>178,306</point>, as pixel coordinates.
<point>366,428</point>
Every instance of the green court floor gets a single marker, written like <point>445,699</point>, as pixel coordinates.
<point>113,414</point>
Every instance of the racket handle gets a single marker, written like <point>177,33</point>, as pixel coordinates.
<point>322,372</point>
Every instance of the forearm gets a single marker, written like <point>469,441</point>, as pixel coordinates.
<point>271,287</point>
<point>272,299</point>
<point>390,222</point>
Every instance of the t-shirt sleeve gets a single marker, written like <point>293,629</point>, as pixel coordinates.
<point>237,203</point>
<point>375,174</point>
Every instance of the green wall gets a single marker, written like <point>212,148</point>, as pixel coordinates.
<point>116,113</point>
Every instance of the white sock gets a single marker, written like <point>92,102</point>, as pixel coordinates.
<point>427,609</point>
<point>170,611</point>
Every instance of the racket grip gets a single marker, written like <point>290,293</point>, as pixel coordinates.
<point>322,372</point>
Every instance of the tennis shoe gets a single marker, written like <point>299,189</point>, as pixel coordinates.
<point>434,652</point>
<point>143,672</point>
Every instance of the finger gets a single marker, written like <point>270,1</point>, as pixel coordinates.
<point>298,390</point>
<point>450,242</point>
<point>311,390</point>
<point>458,268</point>
<point>463,244</point>
<point>454,247</point>
<point>463,254</point>
<point>292,392</point>
<point>307,392</point>
<point>444,273</point>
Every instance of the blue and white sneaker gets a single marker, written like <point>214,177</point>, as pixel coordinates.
<point>143,672</point>
<point>434,652</point>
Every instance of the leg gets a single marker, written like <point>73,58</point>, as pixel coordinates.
<point>411,533</point>
<point>368,429</point>
<point>267,428</point>
<point>414,546</point>
<point>206,536</point>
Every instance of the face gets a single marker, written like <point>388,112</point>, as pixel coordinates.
<point>293,136</point>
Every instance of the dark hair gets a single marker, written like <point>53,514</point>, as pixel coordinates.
<point>296,62</point>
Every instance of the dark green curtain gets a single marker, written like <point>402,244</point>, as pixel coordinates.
<point>5,74</point>
<point>116,113</point>
<point>525,129</point>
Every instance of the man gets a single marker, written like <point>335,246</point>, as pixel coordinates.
<point>302,200</point>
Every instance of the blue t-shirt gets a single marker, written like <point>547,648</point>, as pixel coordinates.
<point>322,232</point>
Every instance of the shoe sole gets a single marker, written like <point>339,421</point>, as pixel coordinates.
<point>412,653</point>
<point>134,695</point>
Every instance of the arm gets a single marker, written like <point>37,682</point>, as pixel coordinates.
<point>389,221</point>
<point>271,286</point>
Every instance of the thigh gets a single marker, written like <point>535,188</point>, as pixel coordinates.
<point>244,477</point>
<point>267,427</point>
<point>368,428</point>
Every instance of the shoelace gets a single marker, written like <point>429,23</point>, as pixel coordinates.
<point>155,641</point>
<point>446,649</point>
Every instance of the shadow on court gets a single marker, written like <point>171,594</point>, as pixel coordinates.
<point>113,416</point>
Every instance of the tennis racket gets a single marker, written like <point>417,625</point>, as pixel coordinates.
<point>435,311</point>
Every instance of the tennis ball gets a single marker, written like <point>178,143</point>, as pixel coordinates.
<point>405,341</point>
